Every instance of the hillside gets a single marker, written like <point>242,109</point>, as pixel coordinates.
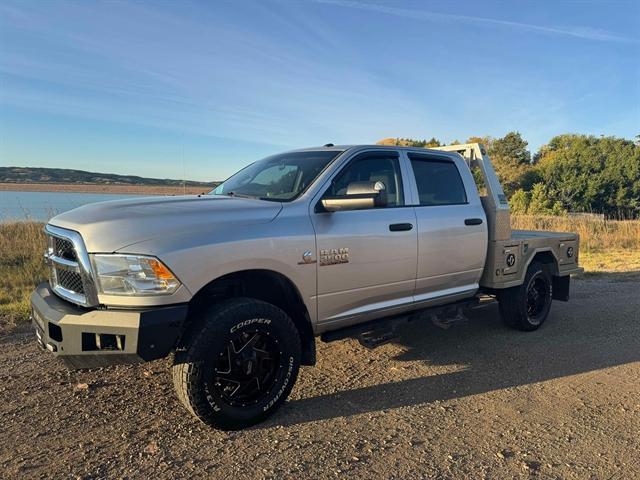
<point>23,175</point>
<point>401,142</point>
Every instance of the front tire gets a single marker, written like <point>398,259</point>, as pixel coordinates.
<point>527,306</point>
<point>238,364</point>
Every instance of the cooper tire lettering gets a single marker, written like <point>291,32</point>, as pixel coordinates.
<point>251,321</point>
<point>282,388</point>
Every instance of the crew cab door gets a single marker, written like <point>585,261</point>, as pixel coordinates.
<point>366,257</point>
<point>452,228</point>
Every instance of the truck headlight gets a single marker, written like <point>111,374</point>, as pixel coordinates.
<point>133,275</point>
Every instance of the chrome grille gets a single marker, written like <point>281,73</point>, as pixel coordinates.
<point>64,248</point>
<point>69,267</point>
<point>72,281</point>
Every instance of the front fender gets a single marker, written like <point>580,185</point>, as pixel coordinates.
<point>198,259</point>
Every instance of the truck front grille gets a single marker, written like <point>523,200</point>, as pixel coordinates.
<point>69,267</point>
<point>64,249</point>
<point>71,281</point>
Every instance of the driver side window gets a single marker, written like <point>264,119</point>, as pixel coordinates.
<point>374,168</point>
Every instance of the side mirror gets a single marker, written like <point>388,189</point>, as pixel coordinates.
<point>359,196</point>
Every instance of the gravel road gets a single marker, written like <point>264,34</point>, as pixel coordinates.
<point>474,401</point>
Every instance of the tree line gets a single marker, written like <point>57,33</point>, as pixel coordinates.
<point>571,173</point>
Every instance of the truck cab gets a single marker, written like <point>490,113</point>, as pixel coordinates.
<point>422,242</point>
<point>332,241</point>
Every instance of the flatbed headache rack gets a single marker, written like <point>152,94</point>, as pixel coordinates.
<point>495,202</point>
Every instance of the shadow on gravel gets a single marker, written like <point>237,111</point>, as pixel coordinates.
<point>587,334</point>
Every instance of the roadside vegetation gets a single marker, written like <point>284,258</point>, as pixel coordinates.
<point>606,246</point>
<point>22,245</point>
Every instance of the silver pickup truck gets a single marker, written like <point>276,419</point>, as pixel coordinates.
<point>334,241</point>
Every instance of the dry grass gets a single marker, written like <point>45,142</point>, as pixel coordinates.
<point>625,264</point>
<point>22,245</point>
<point>606,247</point>
<point>596,236</point>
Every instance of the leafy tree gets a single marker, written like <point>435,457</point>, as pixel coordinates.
<point>535,202</point>
<point>486,140</point>
<point>512,147</point>
<point>407,142</point>
<point>411,142</point>
<point>519,202</point>
<point>587,173</point>
<point>541,203</point>
<point>511,160</point>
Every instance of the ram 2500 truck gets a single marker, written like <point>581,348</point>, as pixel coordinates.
<point>335,241</point>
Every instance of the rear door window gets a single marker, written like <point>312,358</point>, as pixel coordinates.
<point>438,181</point>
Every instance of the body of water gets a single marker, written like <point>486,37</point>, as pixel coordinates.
<point>41,206</point>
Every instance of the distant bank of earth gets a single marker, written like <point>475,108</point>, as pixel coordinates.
<point>102,188</point>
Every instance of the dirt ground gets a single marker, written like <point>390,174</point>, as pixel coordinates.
<point>475,401</point>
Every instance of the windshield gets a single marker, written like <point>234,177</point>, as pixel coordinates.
<point>279,177</point>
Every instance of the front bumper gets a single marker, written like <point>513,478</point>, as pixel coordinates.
<point>88,338</point>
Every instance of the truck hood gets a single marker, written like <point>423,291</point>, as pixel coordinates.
<point>116,224</point>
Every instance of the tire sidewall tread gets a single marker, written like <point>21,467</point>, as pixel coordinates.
<point>210,332</point>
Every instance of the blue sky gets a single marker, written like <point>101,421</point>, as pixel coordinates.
<point>206,87</point>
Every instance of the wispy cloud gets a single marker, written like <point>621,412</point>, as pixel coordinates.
<point>132,81</point>
<point>585,33</point>
<point>189,76</point>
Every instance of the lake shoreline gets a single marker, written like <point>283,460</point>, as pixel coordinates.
<point>101,188</point>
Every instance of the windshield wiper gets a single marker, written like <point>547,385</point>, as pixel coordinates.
<point>244,195</point>
<point>239,195</point>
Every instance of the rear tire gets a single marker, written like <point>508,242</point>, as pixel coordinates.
<point>527,306</point>
<point>237,364</point>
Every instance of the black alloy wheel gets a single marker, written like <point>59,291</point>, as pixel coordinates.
<point>537,297</point>
<point>246,370</point>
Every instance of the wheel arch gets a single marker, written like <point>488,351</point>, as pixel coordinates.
<point>559,285</point>
<point>547,257</point>
<point>266,285</point>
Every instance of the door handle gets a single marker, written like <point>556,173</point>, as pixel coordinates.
<point>473,221</point>
<point>400,227</point>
